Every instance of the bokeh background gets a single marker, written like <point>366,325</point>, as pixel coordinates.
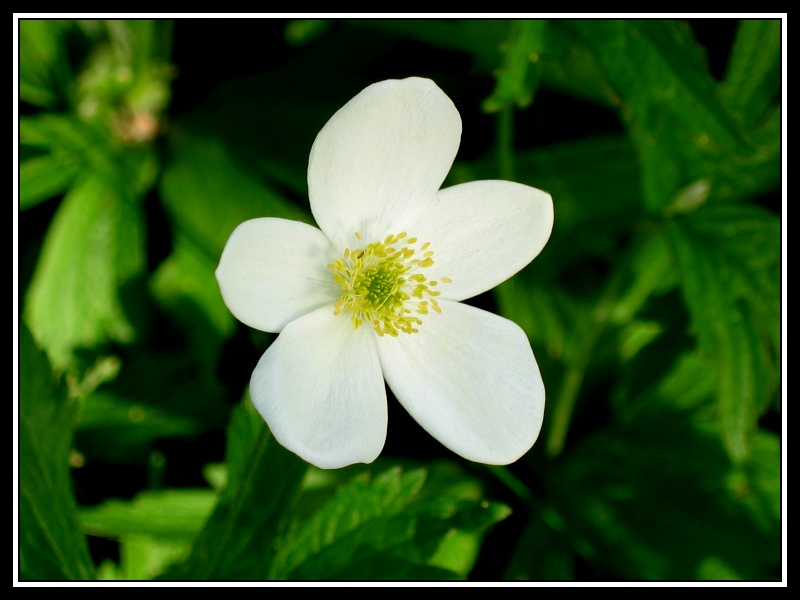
<point>654,311</point>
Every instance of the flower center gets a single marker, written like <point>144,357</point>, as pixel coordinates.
<point>383,284</point>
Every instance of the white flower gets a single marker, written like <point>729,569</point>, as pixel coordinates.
<point>375,292</point>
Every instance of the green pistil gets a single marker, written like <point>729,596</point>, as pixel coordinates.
<point>381,285</point>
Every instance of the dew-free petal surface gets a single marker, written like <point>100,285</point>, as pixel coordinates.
<point>377,164</point>
<point>470,379</point>
<point>275,270</point>
<point>482,233</point>
<point>320,389</point>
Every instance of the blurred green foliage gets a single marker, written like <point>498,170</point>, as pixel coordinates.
<point>654,311</point>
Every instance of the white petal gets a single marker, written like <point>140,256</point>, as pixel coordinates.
<point>377,164</point>
<point>482,233</point>
<point>274,270</point>
<point>470,379</point>
<point>320,389</point>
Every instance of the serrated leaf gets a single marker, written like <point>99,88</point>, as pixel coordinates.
<point>656,63</point>
<point>748,240</point>
<point>358,502</point>
<point>729,259</point>
<point>393,548</point>
<point>683,130</point>
<point>51,546</point>
<point>385,528</point>
<point>457,552</point>
<point>93,249</point>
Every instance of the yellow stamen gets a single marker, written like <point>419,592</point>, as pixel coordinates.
<point>381,284</point>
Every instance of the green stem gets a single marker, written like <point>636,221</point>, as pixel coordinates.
<point>564,407</point>
<point>572,380</point>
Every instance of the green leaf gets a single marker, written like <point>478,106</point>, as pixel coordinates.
<point>94,249</point>
<point>359,502</point>
<point>652,273</point>
<point>519,75</point>
<point>122,429</point>
<point>651,500</point>
<point>175,514</point>
<point>753,75</point>
<point>168,383</point>
<point>570,66</point>
<point>55,149</point>
<point>386,527</point>
<point>208,194</point>
<point>674,109</point>
<point>50,131</point>
<point>665,359</point>
<point>690,383</point>
<point>729,260</point>
<point>185,287</point>
<point>244,430</point>
<point>660,64</point>
<point>43,177</point>
<point>167,386</point>
<point>43,67</point>
<point>238,540</point>
<point>143,558</point>
<point>757,484</point>
<point>51,546</point>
